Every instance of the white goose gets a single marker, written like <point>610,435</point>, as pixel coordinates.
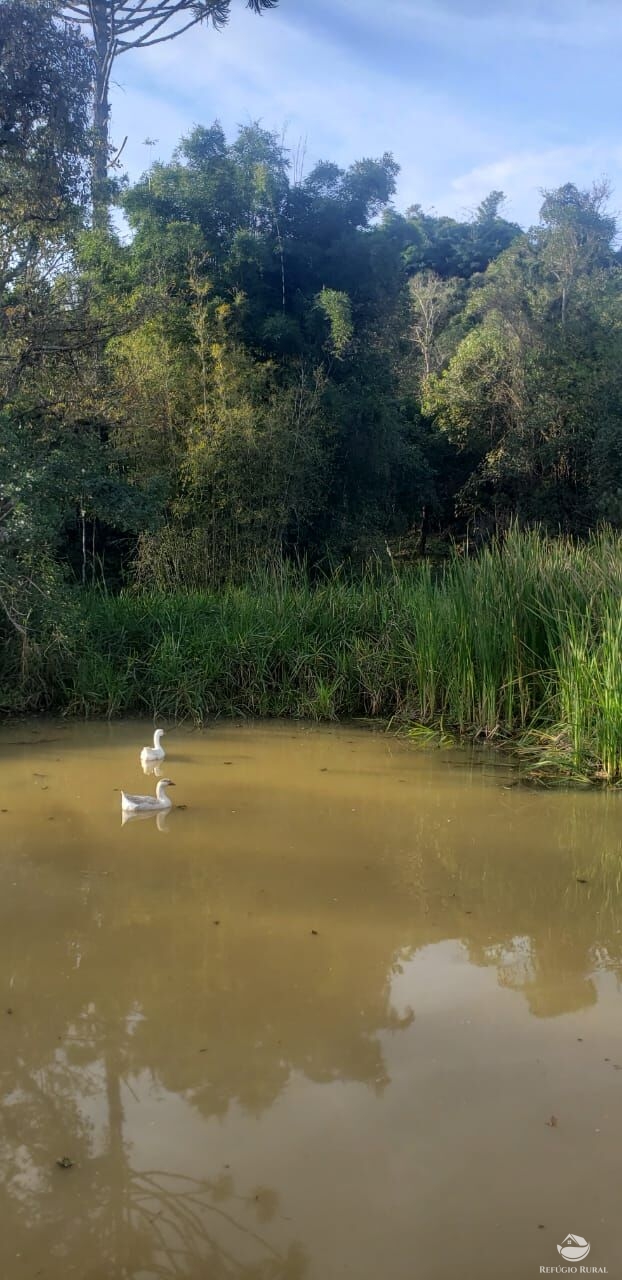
<point>148,804</point>
<point>156,752</point>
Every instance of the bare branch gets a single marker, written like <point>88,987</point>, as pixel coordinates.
<point>115,159</point>
<point>13,620</point>
<point>146,42</point>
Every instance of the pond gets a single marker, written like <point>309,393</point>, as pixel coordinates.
<point>351,1009</point>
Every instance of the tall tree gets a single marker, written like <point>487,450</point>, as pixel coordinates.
<point>117,26</point>
<point>531,395</point>
<point>576,235</point>
<point>45,81</point>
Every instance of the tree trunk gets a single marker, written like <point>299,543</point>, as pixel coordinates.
<point>105,50</point>
<point>425,525</point>
<point>99,177</point>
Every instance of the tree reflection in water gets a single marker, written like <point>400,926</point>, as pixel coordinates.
<point>166,990</point>
<point>134,1221</point>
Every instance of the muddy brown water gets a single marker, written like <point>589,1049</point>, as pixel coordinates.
<point>353,1011</point>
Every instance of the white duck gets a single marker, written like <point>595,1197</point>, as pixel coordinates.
<point>148,804</point>
<point>156,752</point>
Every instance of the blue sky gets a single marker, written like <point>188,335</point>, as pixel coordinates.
<point>469,95</point>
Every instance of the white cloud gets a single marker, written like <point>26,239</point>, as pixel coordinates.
<point>289,78</point>
<point>139,114</point>
<point>297,69</point>
<point>522,176</point>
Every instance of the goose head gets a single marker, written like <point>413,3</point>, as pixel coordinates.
<point>157,737</point>
<point>161,787</point>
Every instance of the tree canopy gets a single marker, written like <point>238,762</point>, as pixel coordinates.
<point>275,363</point>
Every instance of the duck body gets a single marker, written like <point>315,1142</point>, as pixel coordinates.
<point>148,804</point>
<point>156,752</point>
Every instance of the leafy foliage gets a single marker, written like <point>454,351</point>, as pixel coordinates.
<point>533,387</point>
<point>274,366</point>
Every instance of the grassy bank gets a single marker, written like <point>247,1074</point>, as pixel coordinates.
<point>524,642</point>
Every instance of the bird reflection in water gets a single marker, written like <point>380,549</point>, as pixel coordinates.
<point>160,818</point>
<point>152,767</point>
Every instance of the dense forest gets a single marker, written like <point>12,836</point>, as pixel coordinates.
<point>277,362</point>
<point>243,362</point>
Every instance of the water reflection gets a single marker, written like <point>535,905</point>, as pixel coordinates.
<point>151,1220</point>
<point>307,945</point>
<point>160,818</point>
<point>152,767</point>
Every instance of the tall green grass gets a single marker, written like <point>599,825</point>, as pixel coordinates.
<point>523,642</point>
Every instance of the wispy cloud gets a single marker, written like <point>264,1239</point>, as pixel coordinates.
<point>468,94</point>
<point>572,23</point>
<point>523,176</point>
<point>279,73</point>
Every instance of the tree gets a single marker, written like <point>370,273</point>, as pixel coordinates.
<point>532,393</point>
<point>431,301</point>
<point>455,249</point>
<point>117,26</point>
<point>57,468</point>
<point>45,78</point>
<point>45,68</point>
<point>282,322</point>
<point>575,234</point>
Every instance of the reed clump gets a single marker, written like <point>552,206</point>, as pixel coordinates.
<point>521,644</point>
